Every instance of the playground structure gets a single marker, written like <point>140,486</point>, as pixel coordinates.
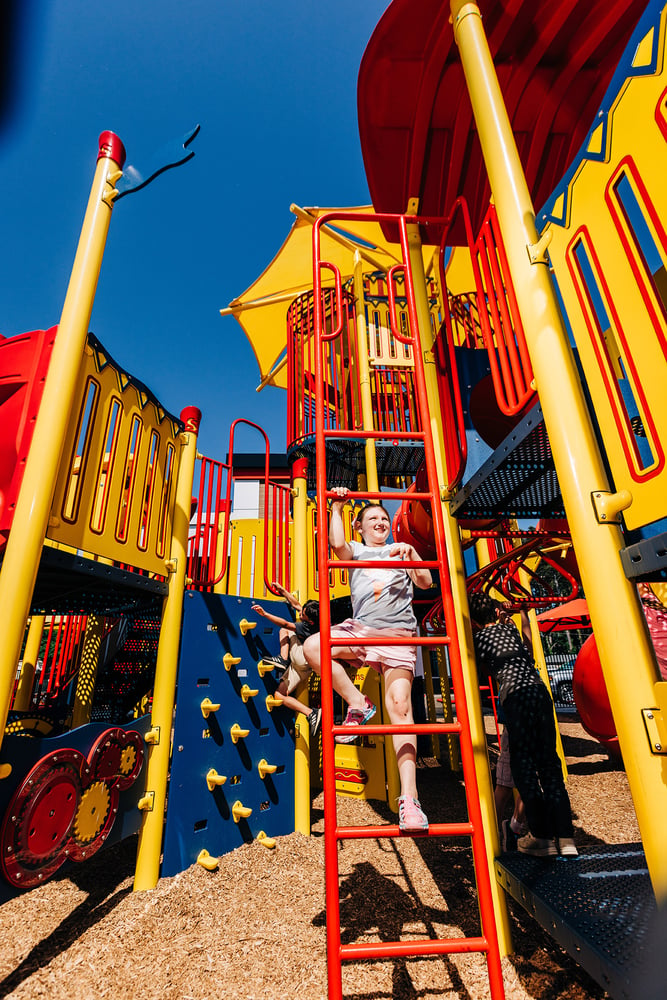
<point>443,381</point>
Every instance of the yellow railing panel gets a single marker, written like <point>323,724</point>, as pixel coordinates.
<point>115,491</point>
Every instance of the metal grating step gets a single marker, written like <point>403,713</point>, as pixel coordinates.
<point>599,907</point>
<point>518,480</point>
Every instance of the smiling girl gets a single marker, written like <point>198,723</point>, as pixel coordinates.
<point>381,606</point>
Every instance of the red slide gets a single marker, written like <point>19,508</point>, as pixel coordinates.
<point>24,361</point>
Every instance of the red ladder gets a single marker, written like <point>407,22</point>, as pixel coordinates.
<point>487,942</point>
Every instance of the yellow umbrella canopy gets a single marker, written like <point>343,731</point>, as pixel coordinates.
<point>262,308</point>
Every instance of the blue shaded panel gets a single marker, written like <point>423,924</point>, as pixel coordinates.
<point>198,819</point>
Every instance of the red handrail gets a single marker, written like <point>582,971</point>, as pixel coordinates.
<point>511,370</point>
<point>503,574</point>
<point>203,546</point>
<point>338,298</point>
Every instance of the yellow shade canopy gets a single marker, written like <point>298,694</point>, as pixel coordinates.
<point>261,309</point>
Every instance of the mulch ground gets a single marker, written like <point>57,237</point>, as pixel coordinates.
<point>254,929</point>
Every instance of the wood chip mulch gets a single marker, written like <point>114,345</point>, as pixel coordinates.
<point>254,929</point>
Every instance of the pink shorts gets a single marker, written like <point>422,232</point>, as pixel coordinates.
<point>376,656</point>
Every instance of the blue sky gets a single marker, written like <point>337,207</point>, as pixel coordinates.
<point>274,89</point>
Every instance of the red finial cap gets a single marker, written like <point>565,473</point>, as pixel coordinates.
<point>112,148</point>
<point>191,417</point>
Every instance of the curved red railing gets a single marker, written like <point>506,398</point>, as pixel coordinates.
<point>213,509</point>
<point>504,573</point>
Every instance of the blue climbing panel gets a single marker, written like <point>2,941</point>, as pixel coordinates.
<point>199,818</point>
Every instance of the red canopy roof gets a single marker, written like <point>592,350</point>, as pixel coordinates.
<point>418,138</point>
<point>573,614</point>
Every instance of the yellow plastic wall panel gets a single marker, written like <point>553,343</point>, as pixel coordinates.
<point>246,558</point>
<point>627,355</point>
<point>246,561</point>
<point>116,485</point>
<point>360,770</point>
<point>338,578</point>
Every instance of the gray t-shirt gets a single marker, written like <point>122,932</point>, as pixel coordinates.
<point>381,598</point>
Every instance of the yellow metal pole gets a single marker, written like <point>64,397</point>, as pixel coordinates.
<point>364,370</point>
<point>459,595</point>
<point>371,484</point>
<point>33,505</point>
<point>85,682</point>
<point>300,583</point>
<point>591,508</point>
<point>166,670</point>
<point>23,696</point>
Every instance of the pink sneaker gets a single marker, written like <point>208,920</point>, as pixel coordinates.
<point>411,817</point>
<point>356,717</point>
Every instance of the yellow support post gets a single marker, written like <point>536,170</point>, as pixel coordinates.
<point>23,696</point>
<point>33,505</point>
<point>459,595</point>
<point>166,670</point>
<point>372,483</point>
<point>85,682</point>
<point>300,581</point>
<point>592,511</point>
<point>364,374</point>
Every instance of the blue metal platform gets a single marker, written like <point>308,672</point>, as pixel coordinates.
<point>599,907</point>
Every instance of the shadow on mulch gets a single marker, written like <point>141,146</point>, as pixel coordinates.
<point>99,877</point>
<point>398,910</point>
<point>544,968</point>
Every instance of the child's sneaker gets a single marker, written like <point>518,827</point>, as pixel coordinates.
<point>356,717</point>
<point>411,816</point>
<point>277,661</point>
<point>566,847</point>
<point>539,847</point>
<point>314,719</point>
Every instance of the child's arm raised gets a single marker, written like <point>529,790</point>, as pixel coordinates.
<point>290,598</point>
<point>283,622</point>
<point>337,539</point>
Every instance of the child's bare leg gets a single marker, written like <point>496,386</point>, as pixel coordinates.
<point>519,815</point>
<point>339,676</point>
<point>398,687</point>
<point>288,701</point>
<point>284,636</point>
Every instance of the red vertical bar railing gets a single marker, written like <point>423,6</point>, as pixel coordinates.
<point>523,362</point>
<point>277,555</point>
<point>203,546</point>
<point>512,382</point>
<point>211,521</point>
<point>456,442</point>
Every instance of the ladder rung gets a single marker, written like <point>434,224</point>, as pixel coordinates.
<point>464,829</point>
<point>383,563</point>
<point>359,435</point>
<point>389,495</point>
<point>393,640</point>
<point>391,949</point>
<point>380,729</point>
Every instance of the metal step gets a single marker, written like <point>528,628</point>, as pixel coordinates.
<point>518,480</point>
<point>599,907</point>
